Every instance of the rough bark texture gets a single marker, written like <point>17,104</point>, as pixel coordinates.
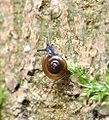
<point>78,30</point>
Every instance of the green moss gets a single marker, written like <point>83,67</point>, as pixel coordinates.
<point>92,89</point>
<point>2,98</point>
<point>78,72</point>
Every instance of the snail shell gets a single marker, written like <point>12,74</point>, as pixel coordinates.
<point>54,67</point>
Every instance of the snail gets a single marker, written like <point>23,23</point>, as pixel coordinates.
<point>53,65</point>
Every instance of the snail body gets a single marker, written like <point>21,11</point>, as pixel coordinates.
<point>53,65</point>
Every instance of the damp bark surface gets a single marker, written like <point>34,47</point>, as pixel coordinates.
<point>78,30</point>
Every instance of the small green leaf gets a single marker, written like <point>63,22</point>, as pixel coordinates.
<point>2,97</point>
<point>96,78</point>
<point>96,98</point>
<point>106,78</point>
<point>71,66</point>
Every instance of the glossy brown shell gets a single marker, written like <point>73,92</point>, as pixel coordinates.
<point>63,67</point>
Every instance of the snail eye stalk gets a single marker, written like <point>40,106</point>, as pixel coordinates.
<point>48,49</point>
